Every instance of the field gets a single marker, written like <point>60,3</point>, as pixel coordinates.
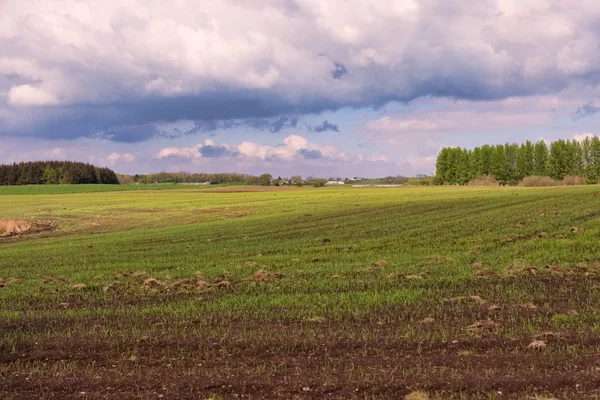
<point>301,293</point>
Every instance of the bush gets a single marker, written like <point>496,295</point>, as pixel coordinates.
<point>420,181</point>
<point>394,180</point>
<point>573,180</point>
<point>538,181</point>
<point>318,182</point>
<point>484,180</point>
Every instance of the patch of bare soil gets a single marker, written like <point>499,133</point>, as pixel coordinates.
<point>12,227</point>
<point>311,360</point>
<point>9,281</point>
<point>235,356</point>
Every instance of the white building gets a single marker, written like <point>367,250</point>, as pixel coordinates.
<point>335,182</point>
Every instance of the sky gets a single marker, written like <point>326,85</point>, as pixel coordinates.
<point>291,87</point>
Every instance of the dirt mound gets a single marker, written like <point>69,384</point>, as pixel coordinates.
<point>10,227</point>
<point>15,227</point>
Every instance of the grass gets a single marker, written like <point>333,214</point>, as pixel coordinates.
<point>68,189</point>
<point>283,292</point>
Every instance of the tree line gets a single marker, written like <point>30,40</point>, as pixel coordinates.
<point>511,162</point>
<point>214,179</point>
<point>54,172</point>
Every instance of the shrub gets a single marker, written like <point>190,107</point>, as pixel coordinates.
<point>484,180</point>
<point>573,180</point>
<point>538,181</point>
<point>318,182</point>
<point>395,180</point>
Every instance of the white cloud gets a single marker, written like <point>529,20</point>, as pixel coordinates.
<point>112,158</point>
<point>27,95</point>
<point>425,165</point>
<point>183,152</point>
<point>292,148</point>
<point>56,153</point>
<point>578,137</point>
<point>582,137</point>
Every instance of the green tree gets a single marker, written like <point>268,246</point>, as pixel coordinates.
<point>477,165</point>
<point>50,176</point>
<point>442,166</point>
<point>525,160</point>
<point>558,160</point>
<point>592,170</point>
<point>318,182</point>
<point>499,165</point>
<point>511,151</point>
<point>265,180</point>
<point>540,159</point>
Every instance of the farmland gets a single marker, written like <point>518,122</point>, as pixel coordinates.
<point>445,292</point>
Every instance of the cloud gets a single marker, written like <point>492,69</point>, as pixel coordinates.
<point>582,137</point>
<point>56,153</point>
<point>27,95</point>
<point>215,151</point>
<point>339,71</point>
<point>326,126</point>
<point>206,149</point>
<point>77,68</point>
<point>587,110</point>
<point>112,158</point>
<point>310,154</point>
<point>293,148</point>
<point>578,137</point>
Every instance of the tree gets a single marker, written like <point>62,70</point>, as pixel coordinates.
<point>558,160</point>
<point>511,151</point>
<point>592,170</point>
<point>318,182</point>
<point>499,166</point>
<point>265,180</point>
<point>525,160</point>
<point>52,172</point>
<point>50,176</point>
<point>540,159</point>
<point>442,166</point>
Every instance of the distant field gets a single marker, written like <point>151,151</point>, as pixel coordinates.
<point>301,293</point>
<point>60,189</point>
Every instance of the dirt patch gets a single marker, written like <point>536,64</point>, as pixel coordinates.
<point>18,227</point>
<point>10,227</point>
<point>9,281</point>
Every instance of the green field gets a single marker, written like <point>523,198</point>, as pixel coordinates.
<point>301,293</point>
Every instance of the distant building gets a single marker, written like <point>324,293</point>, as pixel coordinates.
<point>421,176</point>
<point>335,183</point>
